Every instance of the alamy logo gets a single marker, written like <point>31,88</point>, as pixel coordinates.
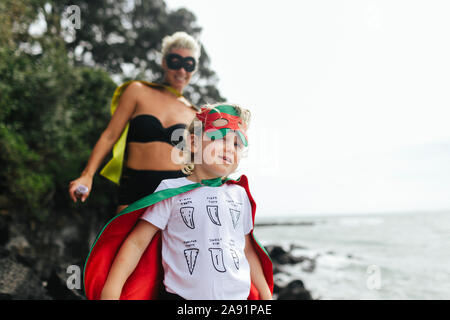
<point>74,280</point>
<point>373,281</point>
<point>72,17</point>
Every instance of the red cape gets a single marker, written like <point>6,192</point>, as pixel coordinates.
<point>146,281</point>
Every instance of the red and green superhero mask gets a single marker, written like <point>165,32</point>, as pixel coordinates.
<point>219,121</point>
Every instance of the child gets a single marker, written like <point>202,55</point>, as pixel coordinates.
<point>206,220</point>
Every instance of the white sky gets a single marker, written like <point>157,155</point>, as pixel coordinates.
<point>350,100</point>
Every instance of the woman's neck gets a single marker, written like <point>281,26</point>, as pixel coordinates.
<point>179,89</point>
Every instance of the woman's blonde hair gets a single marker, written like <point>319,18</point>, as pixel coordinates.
<point>243,113</point>
<point>180,40</point>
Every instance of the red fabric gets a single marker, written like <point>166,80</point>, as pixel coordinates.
<point>146,281</point>
<point>102,256</point>
<point>266,263</point>
<point>233,122</point>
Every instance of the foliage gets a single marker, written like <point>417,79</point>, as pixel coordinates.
<point>51,113</point>
<point>115,34</point>
<point>56,86</point>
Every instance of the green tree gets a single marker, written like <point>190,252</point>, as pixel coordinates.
<point>51,113</point>
<point>120,33</point>
<point>55,90</point>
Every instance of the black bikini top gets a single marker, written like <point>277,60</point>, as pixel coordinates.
<point>148,128</point>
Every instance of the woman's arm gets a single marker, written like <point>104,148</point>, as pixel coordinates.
<point>123,113</point>
<point>127,259</point>
<point>256,271</point>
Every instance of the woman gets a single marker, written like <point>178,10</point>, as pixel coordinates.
<point>147,115</point>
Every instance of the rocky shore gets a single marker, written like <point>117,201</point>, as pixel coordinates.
<point>28,272</point>
<point>287,286</point>
<point>33,264</point>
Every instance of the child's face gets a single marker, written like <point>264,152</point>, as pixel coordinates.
<point>220,157</point>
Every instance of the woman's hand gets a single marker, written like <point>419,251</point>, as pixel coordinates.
<point>125,109</point>
<point>84,180</point>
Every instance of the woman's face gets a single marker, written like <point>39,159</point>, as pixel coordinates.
<point>178,78</point>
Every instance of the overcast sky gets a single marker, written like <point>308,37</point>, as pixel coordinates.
<point>350,100</point>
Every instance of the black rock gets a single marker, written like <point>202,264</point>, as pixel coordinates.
<point>280,256</point>
<point>19,282</point>
<point>57,288</point>
<point>294,246</point>
<point>5,296</point>
<point>276,288</point>
<point>295,290</point>
<point>4,229</point>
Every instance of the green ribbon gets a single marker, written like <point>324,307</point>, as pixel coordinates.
<point>168,193</point>
<point>215,182</point>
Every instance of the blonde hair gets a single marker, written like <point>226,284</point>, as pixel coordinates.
<point>180,40</point>
<point>243,113</point>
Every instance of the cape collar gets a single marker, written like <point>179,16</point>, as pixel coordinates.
<point>215,182</point>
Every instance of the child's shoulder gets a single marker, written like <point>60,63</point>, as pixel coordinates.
<point>173,183</point>
<point>235,189</point>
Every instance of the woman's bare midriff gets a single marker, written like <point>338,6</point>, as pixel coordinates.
<point>155,155</point>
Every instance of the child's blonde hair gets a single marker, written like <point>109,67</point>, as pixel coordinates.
<point>243,113</point>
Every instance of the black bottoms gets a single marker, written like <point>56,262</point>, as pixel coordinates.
<point>136,184</point>
<point>164,295</point>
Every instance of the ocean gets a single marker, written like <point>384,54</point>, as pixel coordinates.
<point>381,257</point>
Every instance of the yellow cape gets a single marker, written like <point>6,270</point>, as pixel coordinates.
<point>113,169</point>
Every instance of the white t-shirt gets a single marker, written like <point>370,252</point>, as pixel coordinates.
<point>203,240</point>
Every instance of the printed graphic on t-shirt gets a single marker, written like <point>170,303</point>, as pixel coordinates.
<point>191,258</point>
<point>217,259</point>
<point>235,211</point>
<point>216,250</point>
<point>235,258</point>
<point>235,214</point>
<point>187,214</point>
<point>213,213</point>
<point>204,238</point>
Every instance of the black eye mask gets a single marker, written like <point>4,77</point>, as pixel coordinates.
<point>176,62</point>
